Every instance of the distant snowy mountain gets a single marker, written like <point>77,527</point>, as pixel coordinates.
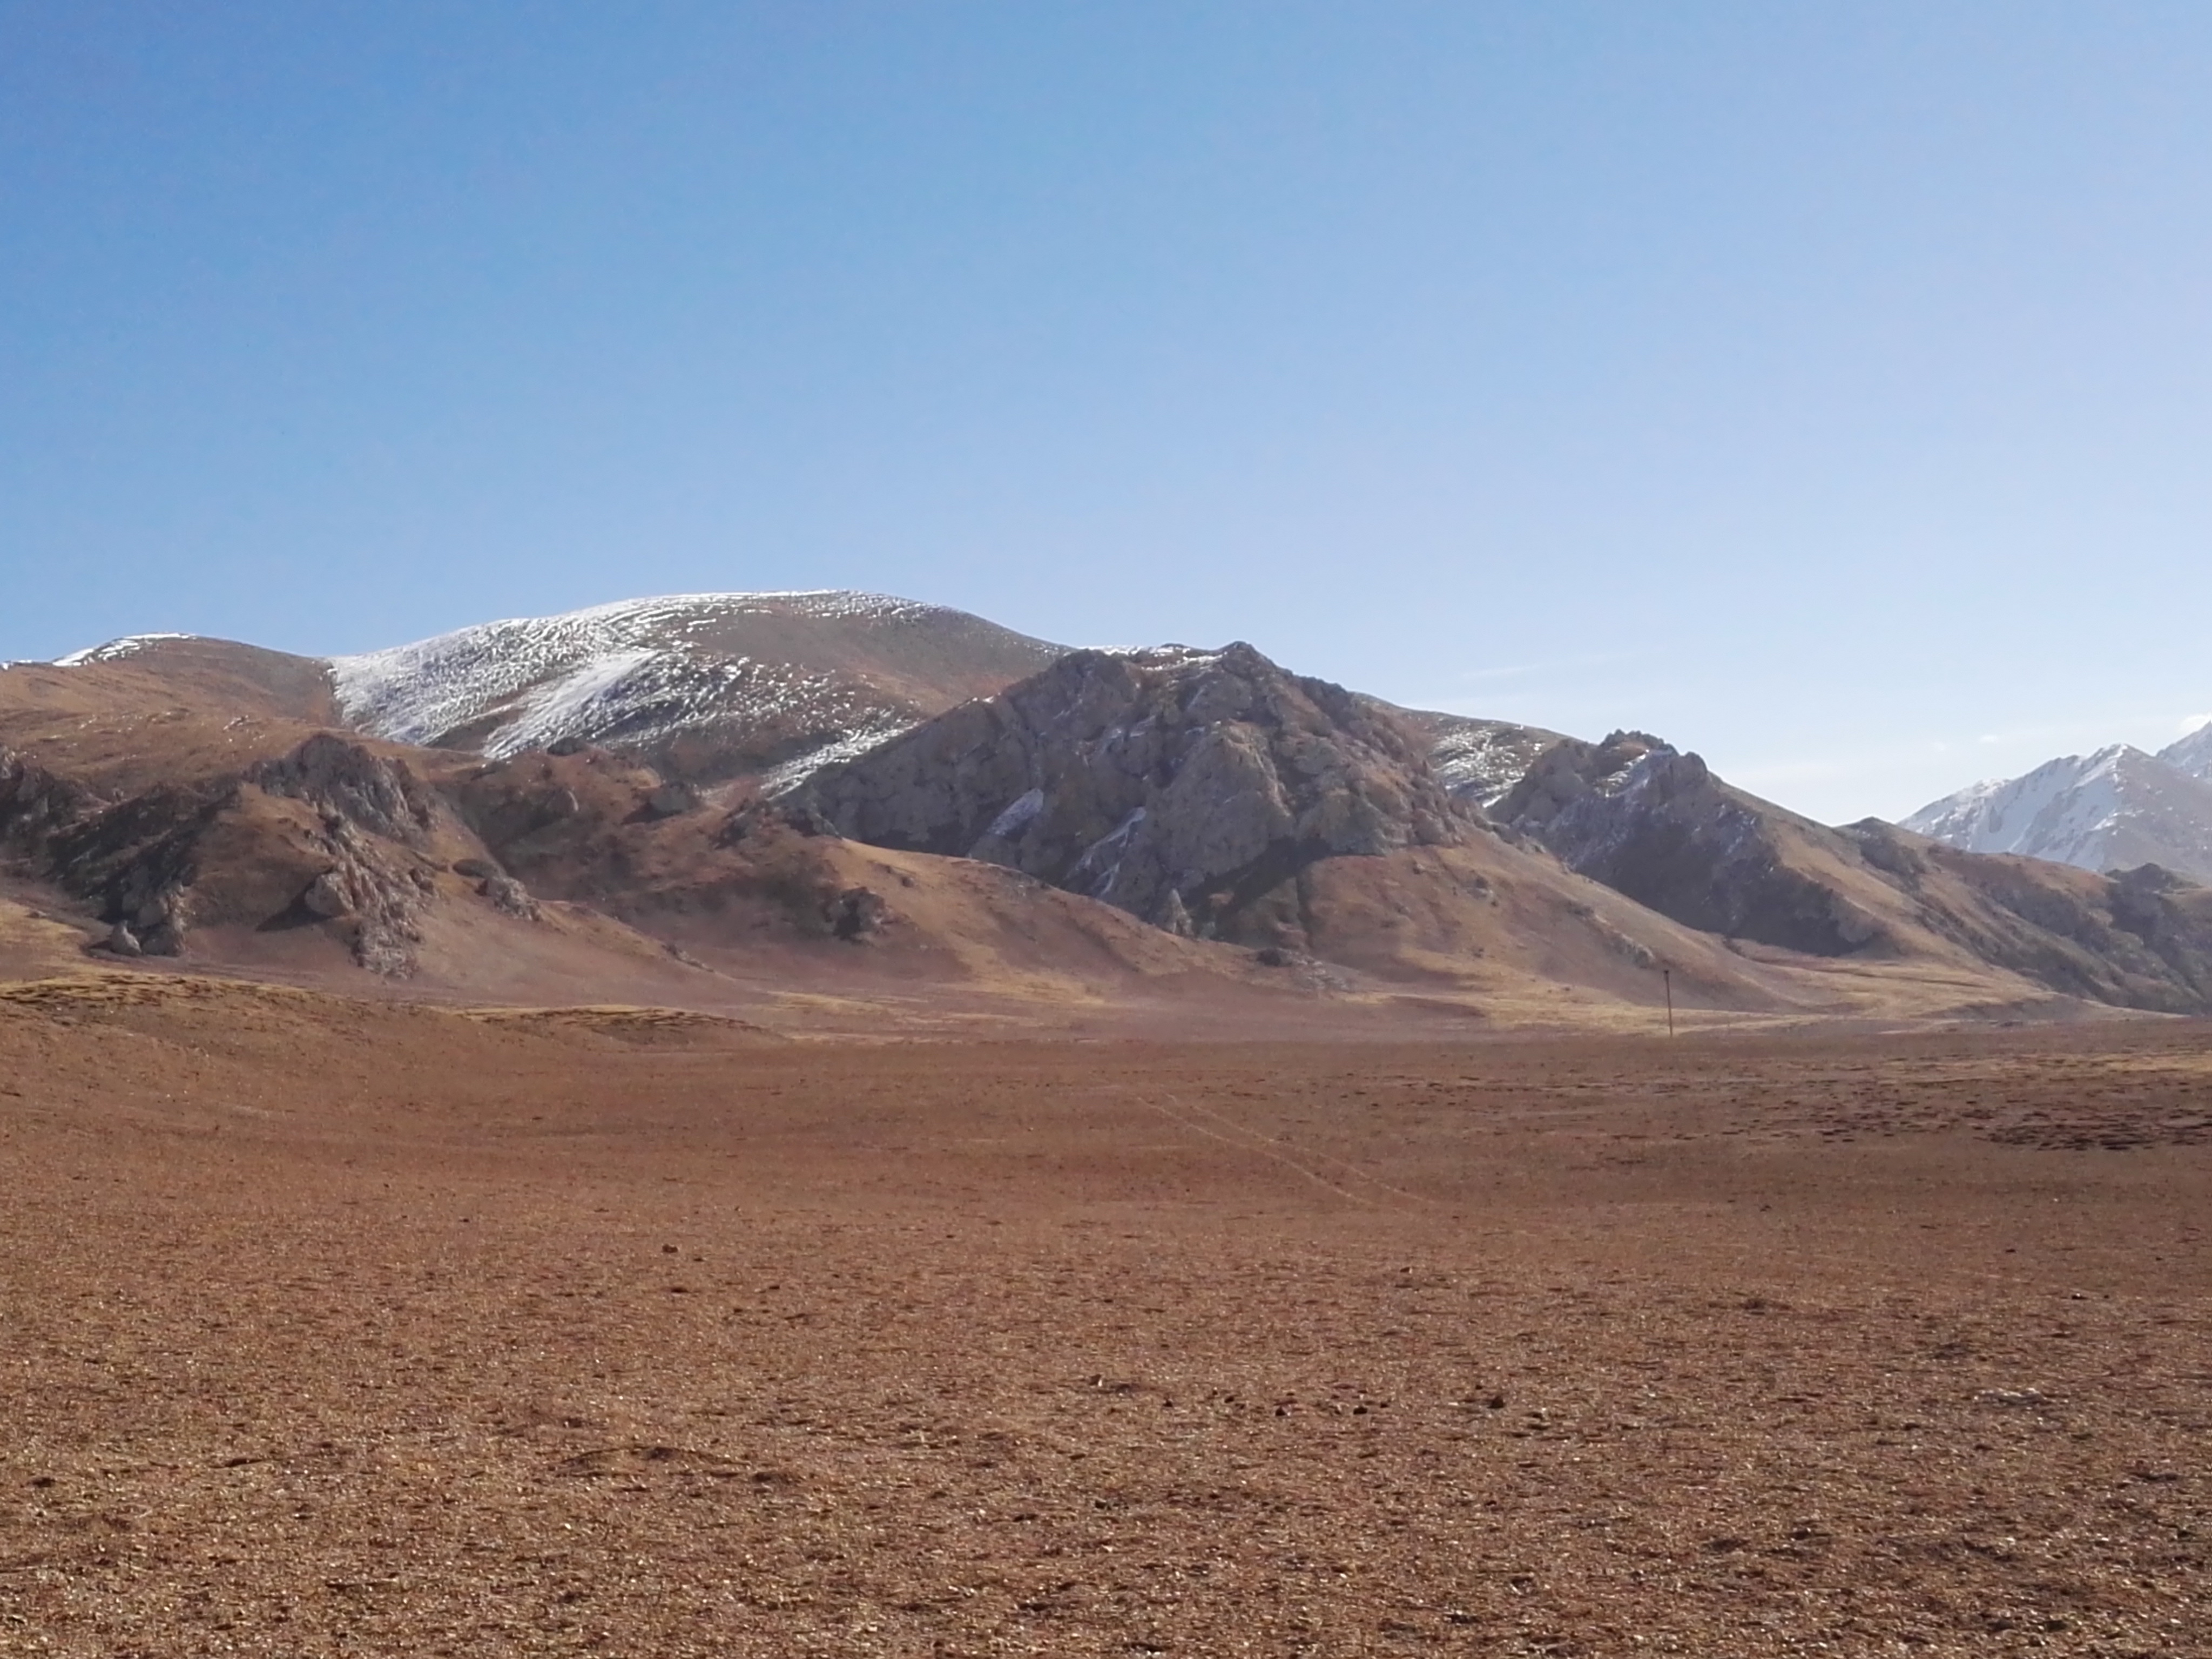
<point>2113,810</point>
<point>705,685</point>
<point>2193,754</point>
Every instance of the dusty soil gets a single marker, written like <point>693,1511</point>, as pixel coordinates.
<point>333,1329</point>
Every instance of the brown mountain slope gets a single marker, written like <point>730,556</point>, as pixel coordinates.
<point>703,687</point>
<point>191,818</point>
<point>1214,792</point>
<point>187,801</point>
<point>1658,827</point>
<point>169,710</point>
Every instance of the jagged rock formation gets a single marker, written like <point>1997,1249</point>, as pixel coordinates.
<point>35,805</point>
<point>330,834</point>
<point>591,826</point>
<point>1188,788</point>
<point>1655,824</point>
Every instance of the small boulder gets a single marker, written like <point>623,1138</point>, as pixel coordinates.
<point>122,941</point>
<point>857,913</point>
<point>672,801</point>
<point>325,897</point>
<point>509,897</point>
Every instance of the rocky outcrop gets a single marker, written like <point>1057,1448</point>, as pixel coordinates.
<point>1655,824</point>
<point>35,805</point>
<point>1184,788</point>
<point>134,861</point>
<point>330,834</point>
<point>372,824</point>
<point>856,914</point>
<point>350,784</point>
<point>510,897</point>
<point>1658,827</point>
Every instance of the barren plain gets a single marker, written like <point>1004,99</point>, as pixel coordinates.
<point>337,1328</point>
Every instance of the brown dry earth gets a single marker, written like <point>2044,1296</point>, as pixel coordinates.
<point>343,1329</point>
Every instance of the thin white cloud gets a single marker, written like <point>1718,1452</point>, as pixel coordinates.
<point>2194,722</point>
<point>1556,666</point>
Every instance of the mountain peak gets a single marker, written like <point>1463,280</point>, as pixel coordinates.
<point>2110,810</point>
<point>705,685</point>
<point>1187,787</point>
<point>2192,754</point>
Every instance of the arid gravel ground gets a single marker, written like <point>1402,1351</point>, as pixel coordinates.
<point>388,1333</point>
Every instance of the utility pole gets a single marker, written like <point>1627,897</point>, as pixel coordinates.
<point>1667,974</point>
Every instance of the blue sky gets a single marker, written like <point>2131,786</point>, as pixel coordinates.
<point>1825,386</point>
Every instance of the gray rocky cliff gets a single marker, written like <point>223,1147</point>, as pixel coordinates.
<point>1178,786</point>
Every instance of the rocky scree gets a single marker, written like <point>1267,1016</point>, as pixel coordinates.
<point>1188,788</point>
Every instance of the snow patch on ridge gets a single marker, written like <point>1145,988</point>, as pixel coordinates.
<point>781,780</point>
<point>1481,761</point>
<point>114,650</point>
<point>631,670</point>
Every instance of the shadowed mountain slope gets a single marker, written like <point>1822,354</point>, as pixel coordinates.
<point>1657,826</point>
<point>1184,788</point>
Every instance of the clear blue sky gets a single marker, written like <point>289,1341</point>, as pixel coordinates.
<point>1825,386</point>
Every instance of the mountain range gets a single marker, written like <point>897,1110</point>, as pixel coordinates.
<point>847,807</point>
<point>2116,809</point>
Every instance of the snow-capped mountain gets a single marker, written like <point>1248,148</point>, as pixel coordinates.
<point>710,686</point>
<point>2193,754</point>
<point>707,684</point>
<point>2113,810</point>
